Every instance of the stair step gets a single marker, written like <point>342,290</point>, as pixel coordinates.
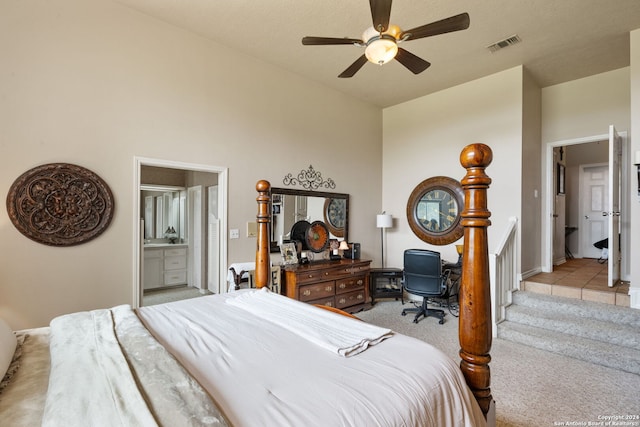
<point>560,321</point>
<point>605,354</point>
<point>584,309</point>
<point>603,334</point>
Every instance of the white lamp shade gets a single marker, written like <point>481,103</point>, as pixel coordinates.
<point>384,221</point>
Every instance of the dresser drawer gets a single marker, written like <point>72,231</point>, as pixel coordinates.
<point>175,263</point>
<point>350,298</point>
<point>175,252</point>
<point>177,277</point>
<point>313,276</point>
<point>349,284</point>
<point>316,291</point>
<point>328,301</point>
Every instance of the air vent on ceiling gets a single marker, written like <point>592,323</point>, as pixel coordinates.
<point>504,43</point>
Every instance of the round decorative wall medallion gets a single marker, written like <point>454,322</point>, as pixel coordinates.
<point>60,204</point>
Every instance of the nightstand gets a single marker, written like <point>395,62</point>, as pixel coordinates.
<point>386,283</point>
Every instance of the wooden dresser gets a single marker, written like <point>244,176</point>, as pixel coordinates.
<point>342,284</point>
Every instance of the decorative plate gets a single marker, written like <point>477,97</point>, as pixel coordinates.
<point>317,237</point>
<point>60,204</point>
<point>299,231</point>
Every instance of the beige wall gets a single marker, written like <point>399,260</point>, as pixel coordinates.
<point>586,107</point>
<point>95,84</point>
<point>530,222</point>
<point>424,137</point>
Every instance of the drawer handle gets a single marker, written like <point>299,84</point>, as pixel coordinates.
<point>306,292</point>
<point>310,276</point>
<point>328,288</point>
<point>360,282</point>
<point>326,273</point>
<point>342,301</point>
<point>360,296</point>
<point>342,285</point>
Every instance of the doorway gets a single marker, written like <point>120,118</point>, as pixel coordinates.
<point>209,279</point>
<point>618,215</point>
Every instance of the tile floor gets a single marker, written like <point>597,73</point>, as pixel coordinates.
<point>582,278</point>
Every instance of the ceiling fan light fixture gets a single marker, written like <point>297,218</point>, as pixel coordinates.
<point>381,50</point>
<point>381,47</point>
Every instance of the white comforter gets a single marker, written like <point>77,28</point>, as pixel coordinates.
<point>107,370</point>
<point>261,374</point>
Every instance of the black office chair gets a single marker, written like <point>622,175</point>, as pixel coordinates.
<point>423,276</point>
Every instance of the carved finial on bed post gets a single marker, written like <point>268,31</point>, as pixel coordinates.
<point>263,264</point>
<point>475,289</point>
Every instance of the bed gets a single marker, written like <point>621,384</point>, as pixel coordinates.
<point>256,358</point>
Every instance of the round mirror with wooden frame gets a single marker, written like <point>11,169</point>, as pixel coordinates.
<point>434,209</point>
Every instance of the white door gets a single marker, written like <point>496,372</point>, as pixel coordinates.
<point>595,199</point>
<point>213,242</point>
<point>195,232</point>
<point>613,208</point>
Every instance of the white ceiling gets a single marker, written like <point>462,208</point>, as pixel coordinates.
<point>562,40</point>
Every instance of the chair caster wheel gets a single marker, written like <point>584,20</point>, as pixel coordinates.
<point>415,321</point>
<point>404,314</point>
<point>441,321</point>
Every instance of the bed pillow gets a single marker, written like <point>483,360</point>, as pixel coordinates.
<point>8,343</point>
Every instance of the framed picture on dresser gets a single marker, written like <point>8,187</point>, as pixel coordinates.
<point>289,253</point>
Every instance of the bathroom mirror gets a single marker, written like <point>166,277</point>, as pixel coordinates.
<point>289,206</point>
<point>164,213</point>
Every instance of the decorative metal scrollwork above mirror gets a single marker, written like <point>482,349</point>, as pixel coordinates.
<point>289,206</point>
<point>434,209</point>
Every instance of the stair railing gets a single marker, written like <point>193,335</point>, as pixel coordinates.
<point>503,273</point>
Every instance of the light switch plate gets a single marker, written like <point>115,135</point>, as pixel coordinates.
<point>234,233</point>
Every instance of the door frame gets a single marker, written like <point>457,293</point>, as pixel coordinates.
<point>547,220</point>
<point>138,235</point>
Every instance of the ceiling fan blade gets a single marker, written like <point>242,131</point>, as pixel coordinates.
<point>380,13</point>
<point>311,41</point>
<point>353,68</point>
<point>448,25</point>
<point>415,64</point>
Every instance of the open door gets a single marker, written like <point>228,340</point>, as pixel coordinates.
<point>613,208</point>
<point>195,225</point>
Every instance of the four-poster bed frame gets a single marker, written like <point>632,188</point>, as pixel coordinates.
<point>187,362</point>
<point>474,329</point>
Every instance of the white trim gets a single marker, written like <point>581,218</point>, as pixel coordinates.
<point>634,300</point>
<point>223,192</point>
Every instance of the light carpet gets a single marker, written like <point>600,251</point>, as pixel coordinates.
<point>531,387</point>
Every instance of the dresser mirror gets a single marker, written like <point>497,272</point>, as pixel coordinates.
<point>288,206</point>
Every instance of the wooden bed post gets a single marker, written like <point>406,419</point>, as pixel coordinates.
<point>475,289</point>
<point>263,263</point>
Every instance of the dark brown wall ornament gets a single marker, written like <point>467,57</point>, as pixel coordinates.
<point>60,204</point>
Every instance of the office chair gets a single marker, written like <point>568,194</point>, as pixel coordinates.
<point>423,276</point>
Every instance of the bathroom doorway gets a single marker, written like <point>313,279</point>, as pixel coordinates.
<point>180,258</point>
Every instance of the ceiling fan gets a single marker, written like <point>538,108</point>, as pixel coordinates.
<point>381,40</point>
